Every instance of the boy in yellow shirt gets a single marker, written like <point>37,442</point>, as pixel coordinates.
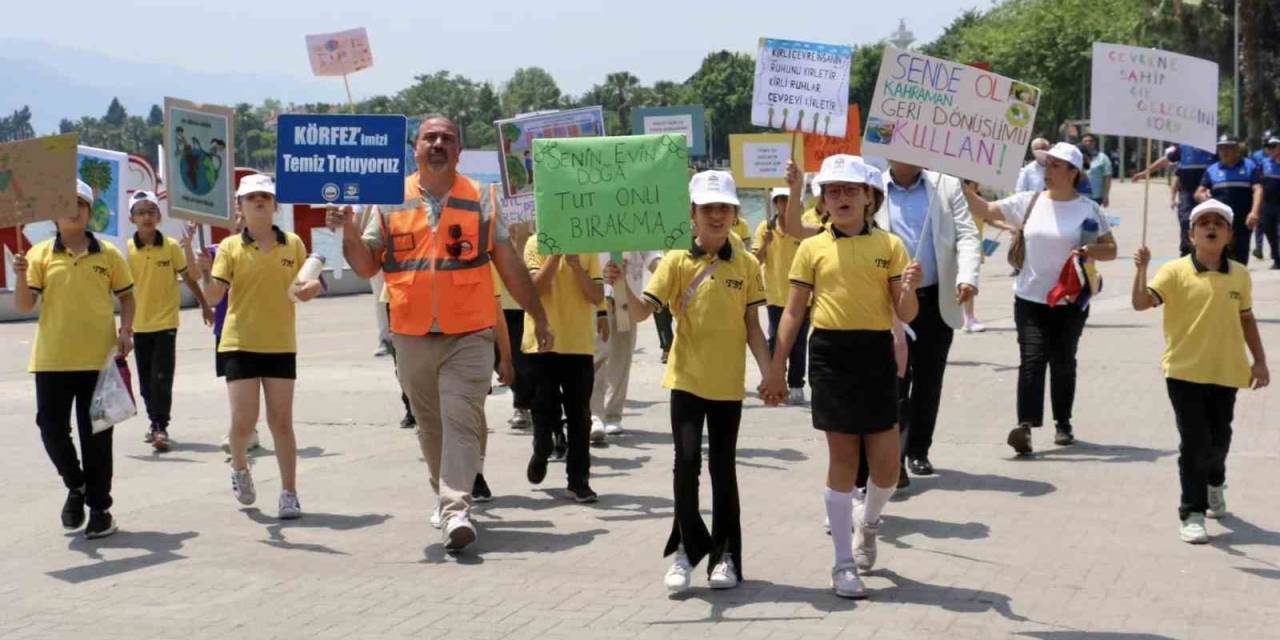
<point>156,262</point>
<point>78,278</point>
<point>776,250</point>
<point>714,289</point>
<point>572,292</point>
<point>1208,322</point>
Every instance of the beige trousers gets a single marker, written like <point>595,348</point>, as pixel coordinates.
<point>613,370</point>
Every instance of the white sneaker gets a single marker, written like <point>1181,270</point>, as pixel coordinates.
<point>677,578</point>
<point>847,584</point>
<point>242,486</point>
<point>826,524</point>
<point>796,396</point>
<point>458,533</point>
<point>435,516</point>
<point>597,430</point>
<point>290,508</point>
<point>381,350</point>
<point>613,427</point>
<point>973,326</point>
<point>1217,502</point>
<point>253,443</point>
<point>1193,531</point>
<point>864,539</point>
<point>521,419</point>
<point>724,575</point>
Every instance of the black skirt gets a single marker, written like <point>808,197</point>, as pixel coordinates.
<point>855,381</point>
<point>244,365</point>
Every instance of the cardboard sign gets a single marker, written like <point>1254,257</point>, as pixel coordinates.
<point>623,193</point>
<point>1155,94</point>
<point>817,147</point>
<point>341,53</point>
<point>759,160</point>
<point>199,140</point>
<point>516,136</point>
<point>802,85</point>
<point>340,159</point>
<point>689,121</point>
<point>106,172</point>
<point>37,179</point>
<point>950,117</point>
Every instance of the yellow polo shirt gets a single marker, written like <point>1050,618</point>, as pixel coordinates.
<point>708,357</point>
<point>850,277</point>
<point>508,303</point>
<point>155,268</point>
<point>260,315</point>
<point>777,263</point>
<point>77,327</point>
<point>741,229</point>
<point>572,317</point>
<point>1203,336</point>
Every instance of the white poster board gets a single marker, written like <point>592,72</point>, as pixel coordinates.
<point>950,117</point>
<point>340,53</point>
<point>1149,93</point>
<point>801,85</point>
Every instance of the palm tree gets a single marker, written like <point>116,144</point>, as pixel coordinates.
<point>619,88</point>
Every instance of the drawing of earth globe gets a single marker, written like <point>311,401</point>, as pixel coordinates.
<point>100,219</point>
<point>200,179</point>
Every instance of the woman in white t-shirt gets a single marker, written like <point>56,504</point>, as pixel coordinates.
<point>1058,224</point>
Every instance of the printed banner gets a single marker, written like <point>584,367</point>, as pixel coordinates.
<point>1155,94</point>
<point>622,193</point>
<point>516,136</point>
<point>106,172</point>
<point>801,85</point>
<point>341,53</point>
<point>759,160</point>
<point>340,159</point>
<point>817,147</point>
<point>950,117</point>
<point>200,140</point>
<point>690,121</point>
<point>37,179</point>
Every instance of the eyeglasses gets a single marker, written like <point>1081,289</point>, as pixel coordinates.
<point>844,191</point>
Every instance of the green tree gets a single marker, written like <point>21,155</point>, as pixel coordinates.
<point>723,84</point>
<point>530,89</point>
<point>156,117</point>
<point>863,72</point>
<point>17,126</point>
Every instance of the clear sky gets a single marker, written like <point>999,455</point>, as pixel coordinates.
<point>578,42</point>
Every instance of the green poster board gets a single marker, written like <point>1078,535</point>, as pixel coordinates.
<point>623,193</point>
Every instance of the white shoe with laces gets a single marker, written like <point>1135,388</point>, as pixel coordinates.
<point>846,583</point>
<point>458,533</point>
<point>677,578</point>
<point>613,427</point>
<point>1192,530</point>
<point>795,396</point>
<point>242,486</point>
<point>597,430</point>
<point>724,575</point>
<point>435,516</point>
<point>1217,502</point>
<point>864,539</point>
<point>290,508</point>
<point>973,326</point>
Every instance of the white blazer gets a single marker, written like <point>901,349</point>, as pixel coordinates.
<point>955,240</point>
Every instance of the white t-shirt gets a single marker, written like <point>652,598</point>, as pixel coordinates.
<point>1055,230</point>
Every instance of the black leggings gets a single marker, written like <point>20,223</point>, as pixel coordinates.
<point>522,388</point>
<point>56,392</point>
<point>722,417</point>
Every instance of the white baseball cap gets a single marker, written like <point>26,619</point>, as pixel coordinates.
<point>876,178</point>
<point>142,196</point>
<point>256,183</point>
<point>841,168</point>
<point>779,192</point>
<point>1212,206</point>
<point>1064,151</point>
<point>84,192</point>
<point>712,187</point>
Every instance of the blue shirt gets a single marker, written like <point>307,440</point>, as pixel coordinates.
<point>908,217</point>
<point>1233,186</point>
<point>1270,185</point>
<point>1192,162</point>
<point>1258,156</point>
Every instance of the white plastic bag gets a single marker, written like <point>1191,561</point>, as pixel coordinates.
<point>112,401</point>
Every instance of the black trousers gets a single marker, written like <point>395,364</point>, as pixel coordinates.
<point>56,392</point>
<point>688,413</point>
<point>391,348</point>
<point>662,320</point>
<point>1186,202</point>
<point>797,360</point>
<point>1271,229</point>
<point>926,365</point>
<point>153,353</point>
<point>1204,413</point>
<point>522,389</point>
<point>1048,338</point>
<point>564,384</point>
<point>1241,239</point>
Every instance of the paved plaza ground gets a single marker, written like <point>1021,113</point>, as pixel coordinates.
<point>1076,543</point>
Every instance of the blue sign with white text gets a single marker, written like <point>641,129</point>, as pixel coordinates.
<point>340,159</point>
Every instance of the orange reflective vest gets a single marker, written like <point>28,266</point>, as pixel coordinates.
<point>439,276</point>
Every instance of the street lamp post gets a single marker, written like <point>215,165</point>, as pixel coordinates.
<point>902,38</point>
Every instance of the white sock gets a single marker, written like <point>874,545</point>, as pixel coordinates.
<point>480,469</point>
<point>877,498</point>
<point>840,515</point>
<point>859,496</point>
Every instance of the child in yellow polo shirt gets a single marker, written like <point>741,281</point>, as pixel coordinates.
<point>1208,322</point>
<point>78,278</point>
<point>259,266</point>
<point>859,278</point>
<point>156,262</point>
<point>713,289</point>
<point>776,249</point>
<point>572,293</point>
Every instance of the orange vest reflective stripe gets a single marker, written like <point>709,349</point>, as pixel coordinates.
<point>439,276</point>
